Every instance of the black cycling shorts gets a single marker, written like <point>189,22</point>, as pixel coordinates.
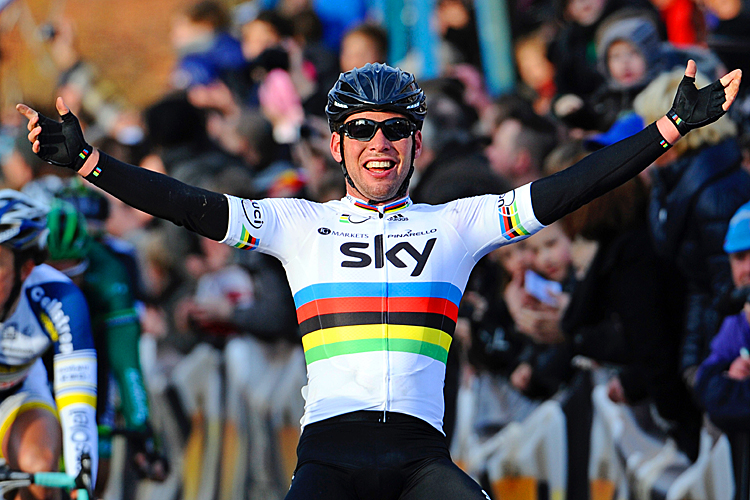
<point>357,456</point>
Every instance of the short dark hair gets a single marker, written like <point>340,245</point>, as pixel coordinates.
<point>281,24</point>
<point>375,33</point>
<point>307,25</point>
<point>614,212</point>
<point>211,12</point>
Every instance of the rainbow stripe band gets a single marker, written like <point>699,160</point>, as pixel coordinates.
<point>84,154</point>
<point>348,318</point>
<point>676,118</point>
<point>326,344</point>
<point>664,144</point>
<point>511,222</point>
<point>439,289</point>
<point>247,241</point>
<point>97,171</point>
<point>397,205</point>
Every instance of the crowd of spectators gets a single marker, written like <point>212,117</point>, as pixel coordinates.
<point>639,280</point>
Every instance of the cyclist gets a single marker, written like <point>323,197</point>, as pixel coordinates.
<point>41,308</point>
<point>376,279</point>
<point>95,208</point>
<point>105,284</point>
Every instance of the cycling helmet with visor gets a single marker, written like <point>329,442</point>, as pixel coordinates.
<point>23,224</point>
<point>23,230</point>
<point>377,87</point>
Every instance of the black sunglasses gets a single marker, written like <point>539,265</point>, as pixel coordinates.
<point>363,129</point>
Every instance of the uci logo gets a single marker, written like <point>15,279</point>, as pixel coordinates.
<point>324,231</point>
<point>507,199</point>
<point>506,204</point>
<point>254,216</point>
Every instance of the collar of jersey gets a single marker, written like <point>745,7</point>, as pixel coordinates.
<point>395,206</point>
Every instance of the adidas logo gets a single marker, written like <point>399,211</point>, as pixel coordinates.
<point>397,218</point>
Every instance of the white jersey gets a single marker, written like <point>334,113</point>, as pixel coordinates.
<point>377,289</point>
<point>52,312</point>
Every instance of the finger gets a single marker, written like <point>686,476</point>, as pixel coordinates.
<point>731,76</point>
<point>36,146</point>
<point>691,69</point>
<point>732,89</point>
<point>29,113</point>
<point>62,109</point>
<point>34,134</point>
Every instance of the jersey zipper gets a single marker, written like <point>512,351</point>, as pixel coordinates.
<point>380,258</point>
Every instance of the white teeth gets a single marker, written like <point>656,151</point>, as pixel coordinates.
<point>378,164</point>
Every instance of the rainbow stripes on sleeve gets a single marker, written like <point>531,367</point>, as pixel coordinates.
<point>510,221</point>
<point>247,241</point>
<point>348,318</point>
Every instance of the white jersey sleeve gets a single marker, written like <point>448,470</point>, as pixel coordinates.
<point>488,222</point>
<point>275,226</point>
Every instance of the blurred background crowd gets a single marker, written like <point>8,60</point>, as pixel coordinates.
<point>640,293</point>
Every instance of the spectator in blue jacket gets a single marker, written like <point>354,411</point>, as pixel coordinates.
<point>723,380</point>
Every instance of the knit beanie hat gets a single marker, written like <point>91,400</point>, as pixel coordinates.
<point>639,32</point>
<point>738,234</point>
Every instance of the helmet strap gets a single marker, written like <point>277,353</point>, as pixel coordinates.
<point>343,164</point>
<point>404,185</point>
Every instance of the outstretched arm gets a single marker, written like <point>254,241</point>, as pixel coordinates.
<point>559,194</point>
<point>201,211</point>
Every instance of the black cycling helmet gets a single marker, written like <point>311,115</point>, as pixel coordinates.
<point>376,87</point>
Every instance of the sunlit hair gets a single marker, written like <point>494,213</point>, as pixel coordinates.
<point>657,98</point>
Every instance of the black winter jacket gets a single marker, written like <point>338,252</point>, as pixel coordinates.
<point>692,201</point>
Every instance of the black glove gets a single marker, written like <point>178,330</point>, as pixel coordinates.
<point>147,461</point>
<point>62,143</point>
<point>693,108</point>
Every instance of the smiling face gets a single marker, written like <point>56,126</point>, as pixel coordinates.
<point>377,167</point>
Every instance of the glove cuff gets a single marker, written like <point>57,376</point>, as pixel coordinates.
<point>678,122</point>
<point>83,155</point>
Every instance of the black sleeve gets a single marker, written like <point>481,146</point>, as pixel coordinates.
<point>199,210</point>
<point>557,195</point>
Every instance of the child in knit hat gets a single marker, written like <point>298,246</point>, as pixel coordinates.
<point>630,55</point>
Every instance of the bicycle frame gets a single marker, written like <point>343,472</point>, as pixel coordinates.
<point>11,480</point>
